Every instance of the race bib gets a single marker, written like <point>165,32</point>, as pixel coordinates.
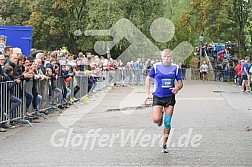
<point>167,83</point>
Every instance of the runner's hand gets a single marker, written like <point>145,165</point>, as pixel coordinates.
<point>146,99</point>
<point>174,90</point>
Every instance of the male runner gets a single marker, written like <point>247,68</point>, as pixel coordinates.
<point>164,74</point>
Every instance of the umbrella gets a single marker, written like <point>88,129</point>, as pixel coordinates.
<point>222,51</point>
<point>234,58</point>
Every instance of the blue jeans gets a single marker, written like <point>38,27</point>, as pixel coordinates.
<point>39,99</point>
<point>240,81</point>
<point>126,80</point>
<point>137,76</point>
<point>29,98</point>
<point>15,102</point>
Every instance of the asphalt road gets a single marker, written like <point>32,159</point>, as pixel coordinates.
<point>209,128</point>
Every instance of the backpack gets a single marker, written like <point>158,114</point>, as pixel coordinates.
<point>250,70</point>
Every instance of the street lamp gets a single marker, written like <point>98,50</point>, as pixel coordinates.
<point>108,54</point>
<point>201,38</point>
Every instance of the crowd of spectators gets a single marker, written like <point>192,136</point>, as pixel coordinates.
<point>227,66</point>
<point>54,65</point>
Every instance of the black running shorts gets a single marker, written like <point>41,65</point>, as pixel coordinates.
<point>244,77</point>
<point>166,101</point>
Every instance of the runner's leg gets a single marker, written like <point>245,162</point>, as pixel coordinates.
<point>157,113</point>
<point>168,111</point>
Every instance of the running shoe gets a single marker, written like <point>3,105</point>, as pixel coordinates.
<point>164,150</point>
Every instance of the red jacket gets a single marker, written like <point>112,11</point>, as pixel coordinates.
<point>238,69</point>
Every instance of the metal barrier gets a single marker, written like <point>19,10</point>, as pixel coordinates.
<point>102,82</point>
<point>82,82</point>
<point>79,82</point>
<point>227,75</point>
<point>18,93</point>
<point>123,77</point>
<point>5,103</point>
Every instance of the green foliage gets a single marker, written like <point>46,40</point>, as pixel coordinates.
<point>55,22</point>
<point>221,21</point>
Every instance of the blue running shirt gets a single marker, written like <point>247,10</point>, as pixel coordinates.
<point>164,77</point>
<point>244,65</point>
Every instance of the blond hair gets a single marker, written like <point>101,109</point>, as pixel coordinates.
<point>47,71</point>
<point>166,51</point>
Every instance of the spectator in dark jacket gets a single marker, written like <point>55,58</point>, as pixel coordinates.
<point>2,76</point>
<point>15,102</point>
<point>53,86</point>
<point>67,77</point>
<point>7,51</point>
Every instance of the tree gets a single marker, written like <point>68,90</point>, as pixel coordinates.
<point>60,23</point>
<point>220,20</point>
<point>12,12</point>
<point>239,14</point>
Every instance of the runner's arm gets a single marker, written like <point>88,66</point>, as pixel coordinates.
<point>179,85</point>
<point>147,85</point>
